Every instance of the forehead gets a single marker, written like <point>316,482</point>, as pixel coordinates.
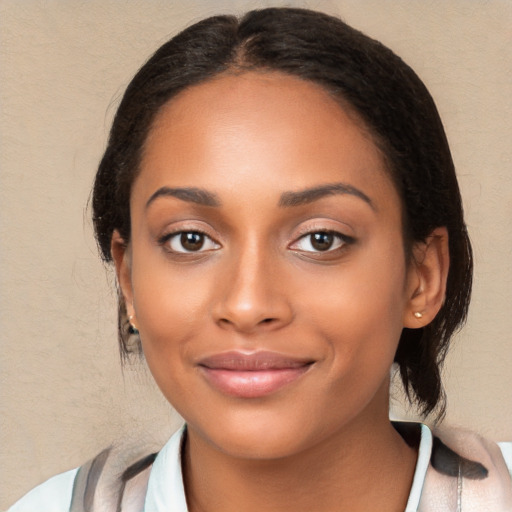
<point>288,132</point>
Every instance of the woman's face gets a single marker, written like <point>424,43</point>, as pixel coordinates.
<point>266,270</point>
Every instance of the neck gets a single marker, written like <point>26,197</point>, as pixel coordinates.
<point>365,466</point>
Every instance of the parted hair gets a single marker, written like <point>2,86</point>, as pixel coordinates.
<point>367,78</point>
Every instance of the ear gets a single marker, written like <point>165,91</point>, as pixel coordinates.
<point>426,284</point>
<point>122,261</point>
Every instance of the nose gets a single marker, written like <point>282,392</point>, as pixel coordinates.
<point>253,296</point>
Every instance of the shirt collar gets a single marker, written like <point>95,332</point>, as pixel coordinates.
<point>424,454</point>
<point>165,486</point>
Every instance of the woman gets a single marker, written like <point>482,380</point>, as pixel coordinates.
<point>280,204</point>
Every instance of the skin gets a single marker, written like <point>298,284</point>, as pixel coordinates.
<point>324,441</point>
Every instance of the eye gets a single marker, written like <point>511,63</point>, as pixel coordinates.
<point>321,241</point>
<point>189,241</point>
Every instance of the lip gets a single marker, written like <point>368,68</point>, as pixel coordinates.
<point>252,375</point>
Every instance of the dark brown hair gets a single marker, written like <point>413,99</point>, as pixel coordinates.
<point>385,93</point>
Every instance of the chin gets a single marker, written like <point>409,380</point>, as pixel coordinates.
<point>262,434</point>
<point>262,445</point>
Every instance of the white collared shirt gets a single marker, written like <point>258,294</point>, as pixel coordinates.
<point>166,492</point>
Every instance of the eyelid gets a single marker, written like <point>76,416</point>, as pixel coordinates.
<point>344,239</point>
<point>323,225</point>
<point>186,226</point>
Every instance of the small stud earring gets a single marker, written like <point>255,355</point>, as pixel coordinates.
<point>418,314</point>
<point>132,329</point>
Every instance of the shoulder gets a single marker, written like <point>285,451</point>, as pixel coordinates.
<point>118,478</point>
<point>107,482</point>
<point>54,495</point>
<point>467,472</point>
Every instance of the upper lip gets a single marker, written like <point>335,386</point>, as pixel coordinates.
<point>252,361</point>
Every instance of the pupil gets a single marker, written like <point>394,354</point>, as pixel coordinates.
<point>192,241</point>
<point>322,241</point>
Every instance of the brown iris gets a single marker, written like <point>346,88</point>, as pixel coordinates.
<point>192,241</point>
<point>322,241</point>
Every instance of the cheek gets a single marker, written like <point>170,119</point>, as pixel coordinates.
<point>171,308</point>
<point>359,308</point>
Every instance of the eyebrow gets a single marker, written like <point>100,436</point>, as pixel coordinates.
<point>288,199</point>
<point>312,194</point>
<point>189,194</point>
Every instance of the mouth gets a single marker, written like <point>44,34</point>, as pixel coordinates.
<point>252,375</point>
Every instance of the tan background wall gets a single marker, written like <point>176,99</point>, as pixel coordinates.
<point>63,65</point>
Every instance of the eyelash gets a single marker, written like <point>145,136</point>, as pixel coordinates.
<point>343,241</point>
<point>164,240</point>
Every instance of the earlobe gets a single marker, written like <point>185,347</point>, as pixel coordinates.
<point>427,279</point>
<point>122,261</point>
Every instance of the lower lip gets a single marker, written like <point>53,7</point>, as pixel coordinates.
<point>252,384</point>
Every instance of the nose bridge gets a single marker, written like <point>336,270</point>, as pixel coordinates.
<point>252,296</point>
